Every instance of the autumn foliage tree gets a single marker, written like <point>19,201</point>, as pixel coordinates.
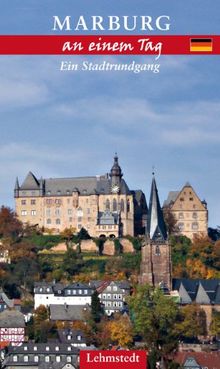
<point>10,226</point>
<point>121,330</point>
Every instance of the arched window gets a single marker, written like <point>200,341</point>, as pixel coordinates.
<point>122,205</point>
<point>107,204</point>
<point>57,221</point>
<point>128,206</point>
<point>114,207</point>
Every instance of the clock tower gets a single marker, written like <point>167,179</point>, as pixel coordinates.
<point>116,176</point>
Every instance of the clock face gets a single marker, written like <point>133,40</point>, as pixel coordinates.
<point>115,189</point>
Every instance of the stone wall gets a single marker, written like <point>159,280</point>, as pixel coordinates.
<point>109,248</point>
<point>127,245</point>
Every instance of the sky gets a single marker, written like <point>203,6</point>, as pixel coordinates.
<point>66,124</point>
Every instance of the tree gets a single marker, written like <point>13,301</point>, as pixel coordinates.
<point>10,226</point>
<point>67,234</point>
<point>121,330</point>
<point>43,328</point>
<point>154,316</point>
<point>72,262</point>
<point>171,221</point>
<point>83,234</point>
<point>215,323</point>
<point>192,322</point>
<point>96,308</point>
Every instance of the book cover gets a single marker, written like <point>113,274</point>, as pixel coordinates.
<point>103,106</point>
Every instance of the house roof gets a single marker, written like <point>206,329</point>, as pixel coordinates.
<point>11,319</point>
<point>172,196</point>
<point>202,291</point>
<point>209,360</point>
<point>68,312</point>
<point>4,298</point>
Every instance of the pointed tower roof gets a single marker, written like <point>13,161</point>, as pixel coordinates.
<point>30,183</point>
<point>16,184</point>
<point>156,227</point>
<point>116,169</point>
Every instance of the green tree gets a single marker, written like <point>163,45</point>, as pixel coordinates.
<point>96,308</point>
<point>72,262</point>
<point>154,316</point>
<point>192,322</point>
<point>215,323</point>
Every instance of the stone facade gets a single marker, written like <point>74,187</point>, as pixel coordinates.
<point>190,212</point>
<point>156,264</point>
<point>103,205</point>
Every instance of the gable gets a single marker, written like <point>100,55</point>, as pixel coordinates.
<point>187,199</point>
<point>202,296</point>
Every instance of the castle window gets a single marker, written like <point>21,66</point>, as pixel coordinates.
<point>195,226</point>
<point>79,226</point>
<point>128,206</point>
<point>57,212</point>
<point>68,359</point>
<point>33,202</point>
<point>48,221</point>
<point>181,215</point>
<point>195,216</point>
<point>157,251</point>
<point>122,205</point>
<point>70,211</point>
<point>36,359</point>
<point>191,199</point>
<point>57,221</point>
<point>107,204</point>
<point>181,226</point>
<point>114,206</point>
<point>23,202</point>
<point>79,219</point>
<point>58,359</point>
<point>181,199</point>
<point>58,192</point>
<point>48,212</point>
<point>33,212</point>
<point>15,358</point>
<point>79,212</point>
<point>58,201</point>
<point>23,212</point>
<point>47,359</point>
<point>25,358</point>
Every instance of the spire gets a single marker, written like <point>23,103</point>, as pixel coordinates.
<point>116,173</point>
<point>156,228</point>
<point>16,189</point>
<point>116,169</point>
<point>16,184</point>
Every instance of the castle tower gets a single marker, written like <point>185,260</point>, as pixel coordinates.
<point>116,175</point>
<point>156,252</point>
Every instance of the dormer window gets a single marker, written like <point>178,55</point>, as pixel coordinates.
<point>47,348</point>
<point>58,192</point>
<point>57,348</point>
<point>48,193</point>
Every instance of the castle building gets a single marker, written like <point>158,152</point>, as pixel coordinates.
<point>103,205</point>
<point>189,211</point>
<point>156,252</point>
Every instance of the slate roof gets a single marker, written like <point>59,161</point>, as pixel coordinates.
<point>4,298</point>
<point>83,185</point>
<point>30,183</point>
<point>156,228</point>
<point>172,196</point>
<point>68,312</point>
<point>11,319</point>
<point>40,348</point>
<point>201,291</point>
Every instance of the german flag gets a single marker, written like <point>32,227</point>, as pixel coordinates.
<point>201,44</point>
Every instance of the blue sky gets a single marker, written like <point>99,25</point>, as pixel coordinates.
<point>71,123</point>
